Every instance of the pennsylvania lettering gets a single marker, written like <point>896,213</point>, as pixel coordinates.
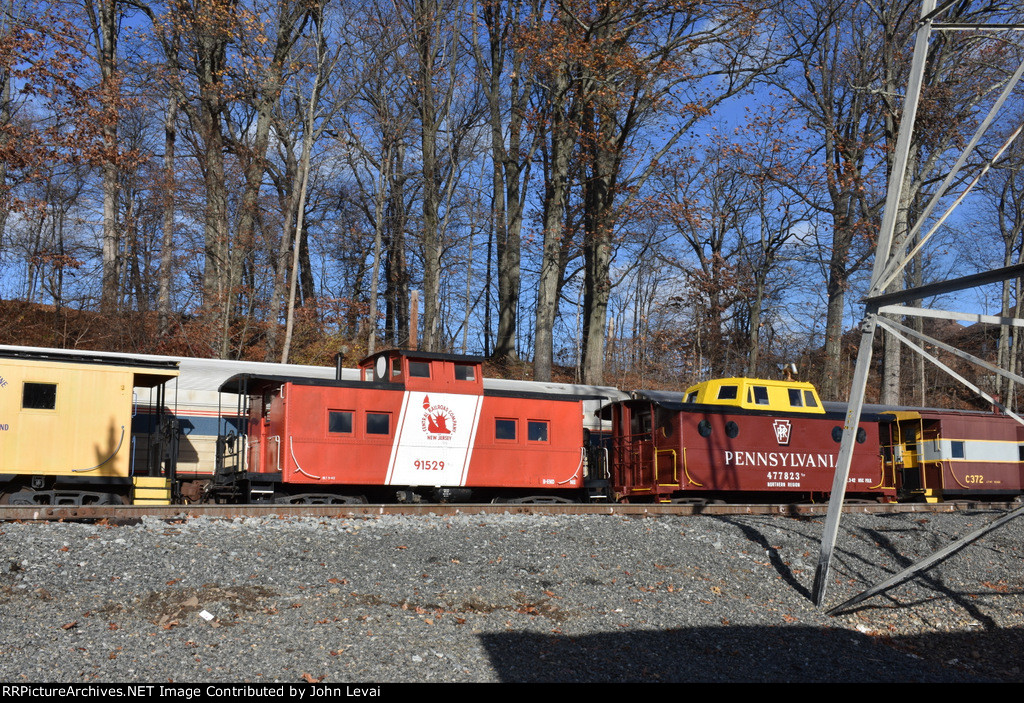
<point>786,460</point>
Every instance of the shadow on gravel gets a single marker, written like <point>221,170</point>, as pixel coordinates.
<point>780,566</point>
<point>743,654</point>
<point>927,578</point>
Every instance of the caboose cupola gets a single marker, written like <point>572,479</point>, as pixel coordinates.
<point>415,370</point>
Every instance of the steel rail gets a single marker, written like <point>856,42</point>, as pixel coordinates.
<point>120,513</point>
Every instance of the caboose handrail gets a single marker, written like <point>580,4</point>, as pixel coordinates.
<point>583,451</point>
<point>686,472</point>
<point>298,469</point>
<point>277,438</point>
<point>119,443</point>
<point>675,466</point>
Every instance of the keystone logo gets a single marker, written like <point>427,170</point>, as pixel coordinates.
<point>782,428</point>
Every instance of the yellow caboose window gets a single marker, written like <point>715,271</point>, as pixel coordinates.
<point>39,396</point>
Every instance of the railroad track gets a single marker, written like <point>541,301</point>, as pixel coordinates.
<point>117,513</point>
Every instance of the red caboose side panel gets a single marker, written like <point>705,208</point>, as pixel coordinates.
<point>529,443</point>
<point>341,434</point>
<point>371,435</point>
<point>664,450</point>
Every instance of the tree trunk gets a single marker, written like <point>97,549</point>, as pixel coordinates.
<point>167,239</point>
<point>210,55</point>
<point>508,171</point>
<point>599,225</point>
<point>105,31</point>
<point>251,148</point>
<point>425,16</point>
<point>562,137</point>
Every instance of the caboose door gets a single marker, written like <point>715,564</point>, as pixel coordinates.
<point>632,453</point>
<point>665,438</point>
<point>643,447</point>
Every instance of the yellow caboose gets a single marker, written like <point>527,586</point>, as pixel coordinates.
<point>66,428</point>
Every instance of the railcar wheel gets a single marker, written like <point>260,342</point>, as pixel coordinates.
<point>537,500</point>
<point>14,489</point>
<point>320,499</point>
<point>28,496</point>
<point>6,498</point>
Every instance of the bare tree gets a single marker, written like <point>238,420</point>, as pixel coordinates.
<point>501,65</point>
<point>1003,194</point>
<point>376,137</point>
<point>323,64</point>
<point>269,49</point>
<point>104,20</point>
<point>962,72</point>
<point>609,70</point>
<point>829,87</point>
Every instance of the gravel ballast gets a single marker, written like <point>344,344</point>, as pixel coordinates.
<point>505,598</point>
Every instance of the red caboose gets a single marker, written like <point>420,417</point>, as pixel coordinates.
<point>665,450</point>
<point>954,453</point>
<point>416,425</point>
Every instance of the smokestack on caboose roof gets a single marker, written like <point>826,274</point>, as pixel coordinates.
<point>339,362</point>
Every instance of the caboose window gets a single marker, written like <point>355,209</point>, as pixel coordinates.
<point>378,423</point>
<point>39,396</point>
<point>663,419</point>
<point>464,373</point>
<point>537,431</point>
<point>641,422</point>
<point>339,421</point>
<point>809,400</point>
<point>505,429</point>
<point>795,399</point>
<point>957,448</point>
<point>760,395</point>
<point>419,369</point>
<point>727,393</point>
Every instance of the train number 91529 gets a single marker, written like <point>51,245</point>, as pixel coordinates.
<point>428,465</point>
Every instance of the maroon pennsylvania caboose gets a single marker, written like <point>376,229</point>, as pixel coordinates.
<point>666,450</point>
